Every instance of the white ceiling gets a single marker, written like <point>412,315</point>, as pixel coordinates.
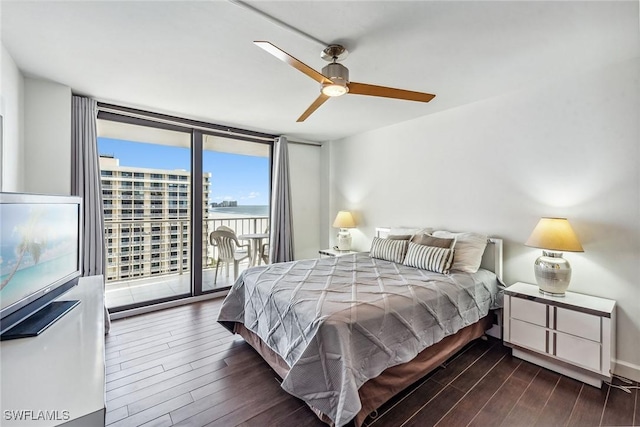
<point>196,59</point>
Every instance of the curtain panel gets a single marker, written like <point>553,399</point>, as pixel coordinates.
<point>281,243</point>
<point>85,182</point>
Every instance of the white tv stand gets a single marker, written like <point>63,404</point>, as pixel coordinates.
<point>58,377</point>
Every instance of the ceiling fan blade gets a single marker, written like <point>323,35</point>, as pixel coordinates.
<point>313,107</point>
<point>295,63</point>
<point>388,92</point>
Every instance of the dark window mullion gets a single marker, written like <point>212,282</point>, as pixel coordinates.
<point>196,212</point>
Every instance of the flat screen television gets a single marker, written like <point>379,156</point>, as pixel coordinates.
<point>40,259</point>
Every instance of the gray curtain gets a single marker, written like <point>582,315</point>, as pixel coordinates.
<point>281,245</point>
<point>85,182</point>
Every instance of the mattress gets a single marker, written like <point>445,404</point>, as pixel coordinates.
<point>339,322</point>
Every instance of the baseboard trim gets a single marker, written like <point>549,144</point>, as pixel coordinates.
<point>165,305</point>
<point>561,367</point>
<point>627,370</point>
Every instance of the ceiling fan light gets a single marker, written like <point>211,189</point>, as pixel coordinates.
<point>334,89</point>
<point>339,76</point>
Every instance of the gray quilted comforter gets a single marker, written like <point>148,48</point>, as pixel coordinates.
<point>338,322</point>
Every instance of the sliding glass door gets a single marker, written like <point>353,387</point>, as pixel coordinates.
<point>239,192</point>
<point>165,188</point>
<point>146,190</point>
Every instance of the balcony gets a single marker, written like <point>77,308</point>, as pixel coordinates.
<point>156,277</point>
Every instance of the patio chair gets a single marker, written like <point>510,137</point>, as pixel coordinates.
<point>228,250</point>
<point>264,249</point>
<point>264,253</point>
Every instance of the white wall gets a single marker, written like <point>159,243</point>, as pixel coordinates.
<point>47,137</point>
<point>36,146</point>
<point>563,148</point>
<point>11,110</point>
<point>327,214</point>
<point>305,174</point>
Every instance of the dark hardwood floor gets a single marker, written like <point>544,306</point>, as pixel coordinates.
<point>180,367</point>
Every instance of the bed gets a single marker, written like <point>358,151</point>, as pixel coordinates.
<point>347,333</point>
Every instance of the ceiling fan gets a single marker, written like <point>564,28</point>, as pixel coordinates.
<point>334,79</point>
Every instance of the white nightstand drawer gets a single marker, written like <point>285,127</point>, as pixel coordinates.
<point>528,335</point>
<point>529,311</point>
<point>578,324</point>
<point>578,351</point>
<point>573,334</point>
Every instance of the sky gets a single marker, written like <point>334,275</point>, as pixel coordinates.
<point>233,177</point>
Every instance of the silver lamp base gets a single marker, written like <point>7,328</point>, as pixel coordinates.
<point>553,273</point>
<point>344,240</point>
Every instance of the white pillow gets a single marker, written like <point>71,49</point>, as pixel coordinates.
<point>411,231</point>
<point>469,249</point>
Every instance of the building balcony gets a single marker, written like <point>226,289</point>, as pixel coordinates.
<point>171,278</point>
<point>151,285</point>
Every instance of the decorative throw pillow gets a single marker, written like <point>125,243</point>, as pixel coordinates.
<point>429,240</point>
<point>389,250</point>
<point>469,249</point>
<point>399,237</point>
<point>429,258</point>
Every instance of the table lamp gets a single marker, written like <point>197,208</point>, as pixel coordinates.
<point>344,221</point>
<point>553,236</point>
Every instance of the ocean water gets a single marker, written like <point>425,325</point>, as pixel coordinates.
<point>245,210</point>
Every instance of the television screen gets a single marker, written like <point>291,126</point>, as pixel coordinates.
<point>39,247</point>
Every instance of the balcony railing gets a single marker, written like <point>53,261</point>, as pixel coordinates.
<point>249,225</point>
<point>148,235</point>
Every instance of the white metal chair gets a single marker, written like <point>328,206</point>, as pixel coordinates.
<point>264,253</point>
<point>264,249</point>
<point>227,244</point>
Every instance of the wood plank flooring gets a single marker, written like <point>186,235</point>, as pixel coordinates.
<point>179,367</point>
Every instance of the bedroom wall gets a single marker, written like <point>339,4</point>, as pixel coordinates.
<point>47,137</point>
<point>11,110</point>
<point>36,146</point>
<point>560,148</point>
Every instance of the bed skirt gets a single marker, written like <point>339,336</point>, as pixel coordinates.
<point>393,380</point>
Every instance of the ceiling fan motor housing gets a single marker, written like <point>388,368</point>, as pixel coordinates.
<point>337,73</point>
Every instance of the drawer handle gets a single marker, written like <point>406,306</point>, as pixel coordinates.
<point>546,342</point>
<point>547,316</point>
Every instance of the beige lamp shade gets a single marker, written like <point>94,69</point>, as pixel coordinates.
<point>344,219</point>
<point>554,234</point>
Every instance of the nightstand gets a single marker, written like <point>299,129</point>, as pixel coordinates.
<point>573,335</point>
<point>334,252</point>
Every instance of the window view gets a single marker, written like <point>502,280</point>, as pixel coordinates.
<point>147,194</point>
<point>238,203</point>
<point>145,191</point>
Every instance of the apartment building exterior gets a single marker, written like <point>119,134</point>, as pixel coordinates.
<point>147,219</point>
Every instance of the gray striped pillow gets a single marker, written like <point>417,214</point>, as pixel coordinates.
<point>388,250</point>
<point>429,258</point>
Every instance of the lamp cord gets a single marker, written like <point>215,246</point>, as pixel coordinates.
<point>627,387</point>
